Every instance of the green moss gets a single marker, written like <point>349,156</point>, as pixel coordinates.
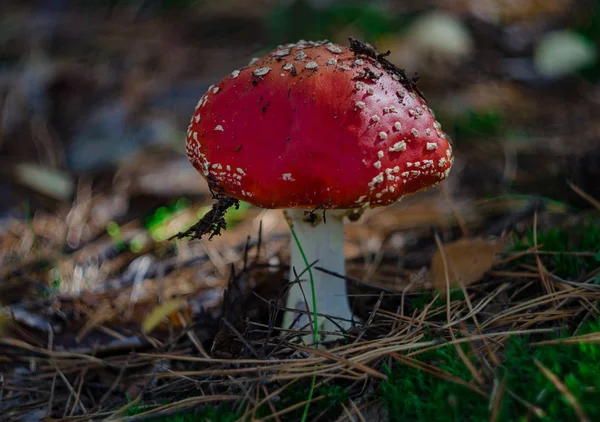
<point>298,19</point>
<point>331,404</point>
<point>583,238</point>
<point>421,300</point>
<point>597,280</point>
<point>576,365</point>
<point>478,124</point>
<point>210,413</point>
<point>414,395</point>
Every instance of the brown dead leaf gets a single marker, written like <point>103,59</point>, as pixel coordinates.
<point>467,260</point>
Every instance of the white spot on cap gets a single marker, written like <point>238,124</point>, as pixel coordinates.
<point>431,146</point>
<point>442,162</point>
<point>427,131</point>
<point>331,62</point>
<point>197,117</point>
<point>281,53</point>
<point>301,55</point>
<point>380,154</point>
<point>358,62</point>
<point>215,90</point>
<point>240,171</point>
<point>377,179</point>
<point>448,153</point>
<point>312,65</point>
<point>382,135</point>
<point>377,164</point>
<point>395,77</point>
<point>344,67</point>
<point>254,60</point>
<point>235,73</point>
<point>397,126</point>
<point>219,128</point>
<point>195,135</point>
<point>334,48</point>
<point>288,66</point>
<point>360,104</point>
<point>359,85</point>
<point>261,71</point>
<point>398,146</point>
<point>288,177</point>
<point>401,93</point>
<point>375,118</point>
<point>370,90</point>
<point>415,132</point>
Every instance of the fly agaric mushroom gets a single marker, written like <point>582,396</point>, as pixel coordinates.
<point>317,125</point>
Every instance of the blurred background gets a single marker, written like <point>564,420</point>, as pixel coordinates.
<point>95,98</point>
<point>101,91</point>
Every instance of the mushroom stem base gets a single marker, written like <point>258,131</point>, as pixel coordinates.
<point>323,242</point>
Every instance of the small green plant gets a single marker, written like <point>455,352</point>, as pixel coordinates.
<point>157,222</point>
<point>55,280</point>
<point>315,317</point>
<point>597,279</point>
<point>158,226</point>
<point>114,231</point>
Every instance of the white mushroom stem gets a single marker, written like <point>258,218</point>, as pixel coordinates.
<point>322,242</point>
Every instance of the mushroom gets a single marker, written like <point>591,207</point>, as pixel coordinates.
<point>315,125</point>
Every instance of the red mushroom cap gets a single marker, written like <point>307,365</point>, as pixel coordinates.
<point>317,124</point>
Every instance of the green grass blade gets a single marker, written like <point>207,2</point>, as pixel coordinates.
<point>315,321</point>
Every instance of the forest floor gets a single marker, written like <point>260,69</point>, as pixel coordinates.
<point>479,297</point>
